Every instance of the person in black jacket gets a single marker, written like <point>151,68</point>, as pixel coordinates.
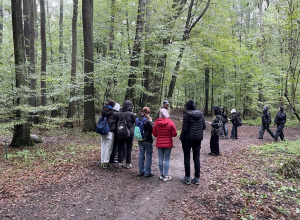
<point>280,120</point>
<point>235,122</point>
<point>127,114</point>
<point>146,145</point>
<point>191,137</point>
<point>107,141</point>
<point>216,130</point>
<point>266,121</point>
<point>224,127</point>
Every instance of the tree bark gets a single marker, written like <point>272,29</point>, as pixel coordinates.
<point>71,109</point>
<point>135,58</point>
<point>44,53</point>
<point>206,90</point>
<point>21,135</point>
<point>1,30</point>
<point>89,123</point>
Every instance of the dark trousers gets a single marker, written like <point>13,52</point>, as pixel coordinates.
<point>187,145</point>
<point>279,132</point>
<point>262,130</point>
<point>214,144</point>
<point>234,132</point>
<point>122,143</point>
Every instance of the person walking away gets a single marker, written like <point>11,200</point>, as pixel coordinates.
<point>191,137</point>
<point>164,129</point>
<point>115,146</point>
<point>266,121</point>
<point>280,120</point>
<point>235,123</point>
<point>126,115</point>
<point>216,129</point>
<point>107,141</point>
<point>165,105</point>
<point>146,145</point>
<point>224,127</point>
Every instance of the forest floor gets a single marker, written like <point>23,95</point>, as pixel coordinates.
<point>239,184</point>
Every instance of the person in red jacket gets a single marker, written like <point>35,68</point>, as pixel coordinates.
<point>164,129</point>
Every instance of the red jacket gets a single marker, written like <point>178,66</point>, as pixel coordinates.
<point>164,129</point>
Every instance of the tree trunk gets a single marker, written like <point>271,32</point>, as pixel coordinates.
<point>61,31</point>
<point>21,135</point>
<point>89,123</point>
<point>71,109</point>
<point>44,54</point>
<point>135,58</point>
<point>206,90</point>
<point>1,30</point>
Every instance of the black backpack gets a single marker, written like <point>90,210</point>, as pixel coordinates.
<point>239,121</point>
<point>123,132</point>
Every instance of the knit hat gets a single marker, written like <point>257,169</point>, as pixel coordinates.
<point>233,111</point>
<point>163,113</point>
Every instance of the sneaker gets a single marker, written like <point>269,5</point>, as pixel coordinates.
<point>121,165</point>
<point>213,154</point>
<point>196,181</point>
<point>186,180</point>
<point>105,165</point>
<point>149,175</point>
<point>161,177</point>
<point>128,165</point>
<point>167,178</point>
<point>141,174</point>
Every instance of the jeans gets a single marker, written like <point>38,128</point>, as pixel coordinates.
<point>225,130</point>
<point>187,145</point>
<point>279,132</point>
<point>107,142</point>
<point>214,144</point>
<point>262,130</point>
<point>234,132</point>
<point>145,157</point>
<point>164,160</point>
<point>121,149</point>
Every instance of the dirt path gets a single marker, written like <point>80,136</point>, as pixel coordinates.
<point>118,193</point>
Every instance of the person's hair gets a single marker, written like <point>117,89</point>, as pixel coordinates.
<point>111,103</point>
<point>146,110</point>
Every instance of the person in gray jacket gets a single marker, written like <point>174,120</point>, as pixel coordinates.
<point>266,121</point>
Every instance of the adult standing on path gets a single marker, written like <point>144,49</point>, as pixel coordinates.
<point>164,129</point>
<point>216,130</point>
<point>280,120</point>
<point>127,114</point>
<point>107,141</point>
<point>146,145</point>
<point>266,121</point>
<point>191,137</point>
<point>165,105</point>
<point>224,126</point>
<point>235,122</point>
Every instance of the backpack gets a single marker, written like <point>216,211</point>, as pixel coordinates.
<point>122,130</point>
<point>139,131</point>
<point>102,127</point>
<point>239,121</point>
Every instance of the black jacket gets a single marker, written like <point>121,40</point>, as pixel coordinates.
<point>280,118</point>
<point>111,118</point>
<point>234,119</point>
<point>126,112</point>
<point>224,115</point>
<point>148,126</point>
<point>193,123</point>
<point>266,117</point>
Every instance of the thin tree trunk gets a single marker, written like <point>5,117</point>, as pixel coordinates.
<point>89,123</point>
<point>44,53</point>
<point>71,109</point>
<point>206,90</point>
<point>1,30</point>
<point>21,135</point>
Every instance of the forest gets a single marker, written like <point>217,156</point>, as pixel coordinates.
<point>62,60</point>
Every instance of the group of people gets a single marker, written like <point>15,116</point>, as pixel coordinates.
<point>164,130</point>
<point>266,120</point>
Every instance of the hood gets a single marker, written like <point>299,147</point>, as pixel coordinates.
<point>265,108</point>
<point>162,122</point>
<point>127,106</point>
<point>281,108</point>
<point>233,111</point>
<point>217,110</point>
<point>195,114</point>
<point>190,105</point>
<point>117,107</point>
<point>107,110</point>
